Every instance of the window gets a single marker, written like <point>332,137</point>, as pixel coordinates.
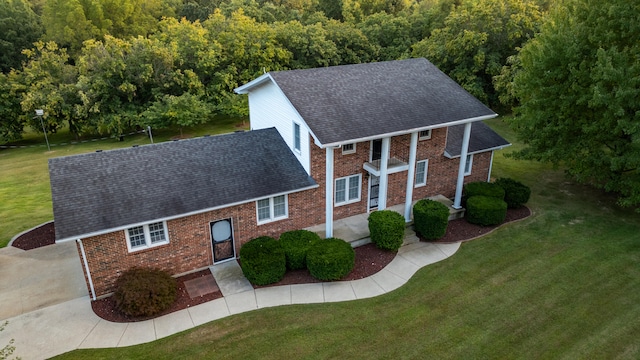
<point>271,209</point>
<point>348,148</point>
<point>296,137</point>
<point>468,164</point>
<point>146,236</point>
<point>424,135</point>
<point>348,189</point>
<point>421,173</point>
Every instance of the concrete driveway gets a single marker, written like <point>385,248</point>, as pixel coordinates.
<point>35,279</point>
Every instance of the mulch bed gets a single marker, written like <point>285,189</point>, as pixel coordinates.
<point>106,308</point>
<point>369,260</point>
<point>41,236</point>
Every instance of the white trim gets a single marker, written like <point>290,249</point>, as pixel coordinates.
<point>408,131</point>
<point>425,137</point>
<point>86,266</point>
<point>244,89</point>
<point>347,152</point>
<point>449,156</point>
<point>426,173</point>
<point>272,218</point>
<point>297,135</point>
<point>463,155</point>
<point>469,161</point>
<point>490,167</point>
<point>413,150</point>
<point>328,196</point>
<point>347,179</point>
<point>147,236</point>
<point>169,218</point>
<point>384,175</point>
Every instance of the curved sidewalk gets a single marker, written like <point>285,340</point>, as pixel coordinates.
<point>73,324</point>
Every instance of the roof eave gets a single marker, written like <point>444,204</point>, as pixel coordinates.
<point>403,132</point>
<point>128,226</point>
<point>244,89</point>
<point>448,155</point>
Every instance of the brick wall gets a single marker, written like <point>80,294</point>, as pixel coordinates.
<point>189,246</point>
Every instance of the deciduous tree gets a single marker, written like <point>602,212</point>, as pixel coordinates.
<point>579,91</point>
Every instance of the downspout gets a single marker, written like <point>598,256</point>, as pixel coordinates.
<point>86,267</point>
<point>490,166</point>
<point>384,177</point>
<point>328,222</point>
<point>410,176</point>
<point>463,160</point>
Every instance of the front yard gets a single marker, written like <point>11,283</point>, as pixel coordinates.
<point>564,283</point>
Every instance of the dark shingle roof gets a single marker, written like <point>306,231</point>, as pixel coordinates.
<point>348,102</point>
<point>482,139</point>
<point>99,191</point>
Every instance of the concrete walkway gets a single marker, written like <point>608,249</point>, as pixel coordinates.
<point>73,325</point>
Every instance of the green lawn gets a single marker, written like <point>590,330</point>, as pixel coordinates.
<point>25,196</point>
<point>564,283</point>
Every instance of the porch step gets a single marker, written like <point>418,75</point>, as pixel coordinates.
<point>453,213</point>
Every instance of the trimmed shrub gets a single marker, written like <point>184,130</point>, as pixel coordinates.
<point>481,188</point>
<point>295,244</point>
<point>330,259</point>
<point>387,229</point>
<point>263,261</point>
<point>430,218</point>
<point>516,194</point>
<point>485,210</point>
<point>144,292</point>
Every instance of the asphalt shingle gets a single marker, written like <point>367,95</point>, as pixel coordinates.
<point>342,103</point>
<point>482,138</point>
<point>105,190</point>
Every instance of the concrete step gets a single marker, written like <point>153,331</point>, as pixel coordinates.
<point>453,213</point>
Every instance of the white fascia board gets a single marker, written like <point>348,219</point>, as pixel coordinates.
<point>403,132</point>
<point>446,154</point>
<point>244,89</point>
<point>168,218</point>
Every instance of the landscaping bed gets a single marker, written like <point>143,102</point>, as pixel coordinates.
<point>369,260</point>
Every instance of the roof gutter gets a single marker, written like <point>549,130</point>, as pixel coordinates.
<point>178,216</point>
<point>403,132</point>
<point>447,155</point>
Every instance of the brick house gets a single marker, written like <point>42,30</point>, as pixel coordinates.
<point>324,144</point>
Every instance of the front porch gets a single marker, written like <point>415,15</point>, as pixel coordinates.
<point>355,229</point>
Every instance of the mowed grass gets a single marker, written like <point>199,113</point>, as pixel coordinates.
<point>562,284</point>
<point>25,195</point>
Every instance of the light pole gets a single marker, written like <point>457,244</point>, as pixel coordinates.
<point>39,114</point>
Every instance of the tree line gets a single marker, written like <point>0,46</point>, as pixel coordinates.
<point>568,69</point>
<point>110,66</point>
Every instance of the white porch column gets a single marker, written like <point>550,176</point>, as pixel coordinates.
<point>328,222</point>
<point>463,159</point>
<point>490,166</point>
<point>384,180</point>
<point>410,176</point>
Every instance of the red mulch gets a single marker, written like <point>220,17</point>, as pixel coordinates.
<point>460,230</point>
<point>369,260</point>
<point>106,308</point>
<point>41,236</point>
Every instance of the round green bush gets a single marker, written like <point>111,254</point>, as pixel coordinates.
<point>387,229</point>
<point>295,244</point>
<point>144,292</point>
<point>516,194</point>
<point>263,261</point>
<point>430,218</point>
<point>485,210</point>
<point>481,188</point>
<point>330,259</point>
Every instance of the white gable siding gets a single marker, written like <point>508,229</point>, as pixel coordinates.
<point>268,107</point>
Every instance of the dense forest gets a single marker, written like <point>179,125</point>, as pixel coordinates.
<point>111,65</point>
<point>568,69</point>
